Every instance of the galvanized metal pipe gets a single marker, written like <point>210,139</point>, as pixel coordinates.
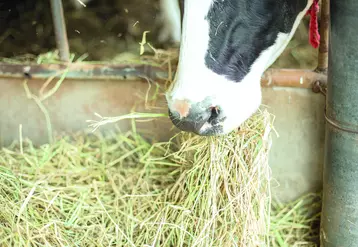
<point>339,219</point>
<point>60,29</point>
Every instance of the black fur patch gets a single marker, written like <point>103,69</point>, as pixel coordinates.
<point>240,30</point>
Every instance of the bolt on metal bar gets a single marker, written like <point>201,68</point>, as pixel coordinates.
<point>60,29</point>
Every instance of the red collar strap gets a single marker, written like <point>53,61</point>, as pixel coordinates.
<point>314,36</point>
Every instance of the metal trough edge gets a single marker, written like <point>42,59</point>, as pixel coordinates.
<point>296,78</point>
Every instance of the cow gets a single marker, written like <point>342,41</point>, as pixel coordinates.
<point>225,47</point>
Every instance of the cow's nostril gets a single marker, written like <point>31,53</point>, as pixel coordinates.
<point>215,111</point>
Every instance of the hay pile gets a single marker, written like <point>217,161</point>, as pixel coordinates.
<point>87,190</point>
<point>125,191</point>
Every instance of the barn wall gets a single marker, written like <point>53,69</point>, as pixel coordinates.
<point>296,157</point>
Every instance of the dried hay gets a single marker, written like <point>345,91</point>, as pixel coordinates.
<point>87,190</point>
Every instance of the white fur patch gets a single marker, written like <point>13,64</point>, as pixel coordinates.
<point>194,82</point>
<point>171,20</point>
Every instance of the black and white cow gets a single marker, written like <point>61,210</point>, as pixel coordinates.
<point>226,45</point>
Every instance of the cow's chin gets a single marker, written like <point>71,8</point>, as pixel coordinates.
<point>239,105</point>
<point>234,122</point>
<point>234,116</point>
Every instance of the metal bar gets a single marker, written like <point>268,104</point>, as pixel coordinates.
<point>339,218</point>
<point>271,78</point>
<point>297,78</point>
<point>82,71</point>
<point>60,29</point>
<point>324,33</point>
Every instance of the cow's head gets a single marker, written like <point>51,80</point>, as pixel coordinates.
<point>225,47</point>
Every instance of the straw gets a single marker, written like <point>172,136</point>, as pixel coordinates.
<point>88,190</point>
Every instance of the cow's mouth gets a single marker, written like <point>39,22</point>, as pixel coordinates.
<point>212,131</point>
<point>213,126</point>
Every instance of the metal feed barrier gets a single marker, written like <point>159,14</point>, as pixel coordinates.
<point>272,77</point>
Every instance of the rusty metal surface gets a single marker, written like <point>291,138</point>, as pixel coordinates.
<point>60,29</point>
<point>291,78</point>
